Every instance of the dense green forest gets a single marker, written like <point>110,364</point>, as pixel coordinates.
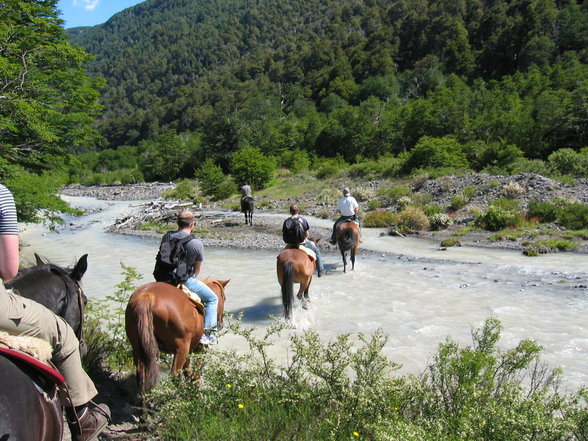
<point>403,85</point>
<point>490,81</point>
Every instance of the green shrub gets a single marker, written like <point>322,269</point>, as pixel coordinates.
<point>211,176</point>
<point>568,162</point>
<point>251,165</point>
<point>450,242</point>
<point>379,219</point>
<point>374,204</point>
<point>574,216</point>
<point>413,219</point>
<point>459,201</point>
<point>440,221</point>
<point>394,193</point>
<point>432,209</point>
<point>295,160</point>
<point>544,211</point>
<point>434,153</point>
<point>512,190</point>
<point>506,204</point>
<point>497,218</point>
<point>184,189</point>
<point>556,244</point>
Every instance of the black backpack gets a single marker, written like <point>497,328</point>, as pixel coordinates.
<point>170,263</point>
<point>293,231</point>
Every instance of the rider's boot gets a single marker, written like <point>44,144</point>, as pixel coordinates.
<point>89,422</point>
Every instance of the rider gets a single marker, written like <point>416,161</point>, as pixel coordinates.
<point>295,212</point>
<point>348,208</point>
<point>195,256</point>
<point>245,190</point>
<point>22,316</point>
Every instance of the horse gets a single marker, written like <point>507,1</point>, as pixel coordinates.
<point>29,401</point>
<point>348,240</point>
<point>161,317</point>
<point>247,206</point>
<point>294,266</point>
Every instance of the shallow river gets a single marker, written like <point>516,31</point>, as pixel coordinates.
<point>415,293</point>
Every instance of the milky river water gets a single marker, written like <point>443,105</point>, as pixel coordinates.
<point>417,294</point>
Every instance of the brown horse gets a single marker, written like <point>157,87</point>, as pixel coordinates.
<point>348,240</point>
<point>247,207</point>
<point>294,266</point>
<point>161,317</point>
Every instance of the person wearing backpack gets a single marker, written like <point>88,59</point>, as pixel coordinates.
<point>295,231</point>
<point>184,255</point>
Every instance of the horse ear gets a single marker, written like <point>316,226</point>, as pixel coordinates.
<point>39,260</point>
<point>80,268</point>
<point>224,282</point>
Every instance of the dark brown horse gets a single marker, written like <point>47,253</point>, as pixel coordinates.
<point>161,317</point>
<point>348,240</point>
<point>294,266</point>
<point>29,407</point>
<point>247,207</point>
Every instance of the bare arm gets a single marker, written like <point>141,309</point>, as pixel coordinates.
<point>9,256</point>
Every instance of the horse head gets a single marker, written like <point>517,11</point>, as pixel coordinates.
<point>58,289</point>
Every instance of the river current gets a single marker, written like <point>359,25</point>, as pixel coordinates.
<point>417,294</point>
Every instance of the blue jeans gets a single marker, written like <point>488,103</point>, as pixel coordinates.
<point>209,299</point>
<point>313,247</point>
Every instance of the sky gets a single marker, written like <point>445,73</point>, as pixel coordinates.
<point>90,12</point>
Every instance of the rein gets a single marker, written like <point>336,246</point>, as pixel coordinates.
<point>79,297</point>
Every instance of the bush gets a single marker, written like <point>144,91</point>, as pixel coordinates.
<point>413,219</point>
<point>251,165</point>
<point>497,218</point>
<point>394,193</point>
<point>544,211</point>
<point>184,189</point>
<point>379,219</point>
<point>459,201</point>
<point>440,221</point>
<point>374,204</point>
<point>512,190</point>
<point>434,153</point>
<point>295,160</point>
<point>574,216</point>
<point>364,193</point>
<point>568,162</point>
<point>211,176</point>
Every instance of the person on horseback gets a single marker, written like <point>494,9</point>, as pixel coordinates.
<point>246,190</point>
<point>295,214</point>
<point>349,209</point>
<point>194,258</point>
<point>22,316</point>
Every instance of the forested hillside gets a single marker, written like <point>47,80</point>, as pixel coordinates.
<point>484,81</point>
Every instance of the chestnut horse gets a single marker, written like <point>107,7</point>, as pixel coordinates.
<point>247,207</point>
<point>348,240</point>
<point>294,266</point>
<point>161,317</point>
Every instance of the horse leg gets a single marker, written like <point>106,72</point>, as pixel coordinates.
<point>353,250</point>
<point>180,360</point>
<point>344,262</point>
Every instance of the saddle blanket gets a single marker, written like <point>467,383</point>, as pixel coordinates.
<point>311,254</point>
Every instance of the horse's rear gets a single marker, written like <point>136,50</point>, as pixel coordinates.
<point>247,207</point>
<point>348,240</point>
<point>160,317</point>
<point>294,266</point>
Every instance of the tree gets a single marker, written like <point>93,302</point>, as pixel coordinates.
<point>47,101</point>
<point>251,165</point>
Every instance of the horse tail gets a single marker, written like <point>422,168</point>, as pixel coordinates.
<point>288,288</point>
<point>348,239</point>
<point>146,351</point>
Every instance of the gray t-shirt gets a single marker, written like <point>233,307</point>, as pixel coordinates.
<point>194,248</point>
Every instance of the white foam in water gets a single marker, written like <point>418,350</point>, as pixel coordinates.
<point>415,293</point>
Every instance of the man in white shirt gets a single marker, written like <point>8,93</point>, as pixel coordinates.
<point>348,208</point>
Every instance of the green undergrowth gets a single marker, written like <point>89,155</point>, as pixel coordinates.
<point>346,388</point>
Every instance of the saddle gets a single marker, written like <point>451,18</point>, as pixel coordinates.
<point>194,299</point>
<point>39,367</point>
<point>311,254</point>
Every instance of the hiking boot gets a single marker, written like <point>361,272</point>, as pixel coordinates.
<point>333,242</point>
<point>208,339</point>
<point>92,421</point>
<point>321,273</point>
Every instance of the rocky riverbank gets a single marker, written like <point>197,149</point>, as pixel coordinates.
<point>222,228</point>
